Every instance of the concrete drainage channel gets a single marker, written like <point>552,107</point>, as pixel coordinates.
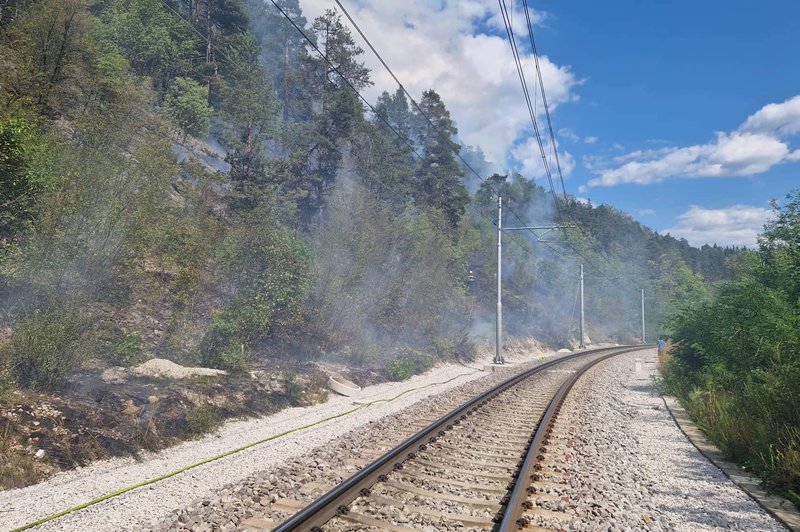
<point>467,467</point>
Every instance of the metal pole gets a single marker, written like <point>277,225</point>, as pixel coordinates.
<point>582,344</point>
<point>498,348</point>
<point>644,338</point>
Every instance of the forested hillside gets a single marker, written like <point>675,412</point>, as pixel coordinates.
<point>192,180</point>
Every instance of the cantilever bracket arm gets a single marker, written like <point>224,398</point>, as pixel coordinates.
<point>541,227</point>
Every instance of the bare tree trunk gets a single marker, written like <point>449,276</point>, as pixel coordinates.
<point>285,76</point>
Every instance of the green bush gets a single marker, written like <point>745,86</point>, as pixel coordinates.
<point>408,365</point>
<point>736,363</point>
<point>267,268</point>
<point>126,350</point>
<point>202,419</point>
<point>294,389</point>
<point>186,104</point>
<point>49,346</point>
<point>19,184</point>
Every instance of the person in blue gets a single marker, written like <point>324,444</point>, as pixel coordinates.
<point>661,345</point>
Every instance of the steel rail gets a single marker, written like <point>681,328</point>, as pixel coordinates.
<point>513,518</point>
<point>337,501</point>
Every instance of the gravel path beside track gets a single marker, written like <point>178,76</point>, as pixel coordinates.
<point>634,469</point>
<point>271,496</point>
<point>631,468</point>
<point>143,505</point>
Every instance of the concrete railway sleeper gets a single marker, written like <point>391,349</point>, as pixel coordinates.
<point>470,469</point>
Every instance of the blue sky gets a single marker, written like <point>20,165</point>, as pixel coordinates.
<point>671,74</point>
<point>659,106</point>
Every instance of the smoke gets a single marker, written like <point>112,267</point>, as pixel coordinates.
<point>384,276</point>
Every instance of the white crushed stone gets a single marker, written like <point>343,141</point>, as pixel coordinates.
<point>21,506</point>
<point>163,368</point>
<point>159,368</point>
<point>638,462</point>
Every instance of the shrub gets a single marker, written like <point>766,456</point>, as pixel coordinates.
<point>19,184</point>
<point>49,346</point>
<point>267,268</point>
<point>294,389</point>
<point>126,350</point>
<point>202,419</point>
<point>736,364</point>
<point>17,471</point>
<point>186,104</point>
<point>408,365</point>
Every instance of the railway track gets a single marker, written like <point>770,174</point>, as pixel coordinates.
<point>480,466</point>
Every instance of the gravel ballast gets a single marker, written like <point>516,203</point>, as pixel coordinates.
<point>142,506</point>
<point>633,467</point>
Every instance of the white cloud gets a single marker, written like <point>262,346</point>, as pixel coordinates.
<point>530,158</point>
<point>737,225</point>
<point>568,134</point>
<point>590,140</point>
<point>754,148</point>
<point>782,119</point>
<point>646,212</point>
<point>458,48</point>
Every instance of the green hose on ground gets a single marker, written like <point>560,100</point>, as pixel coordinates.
<point>165,476</point>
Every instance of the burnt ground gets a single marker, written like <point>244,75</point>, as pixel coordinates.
<point>91,419</point>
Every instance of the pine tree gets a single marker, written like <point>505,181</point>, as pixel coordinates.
<point>283,51</point>
<point>439,181</point>
<point>336,109</point>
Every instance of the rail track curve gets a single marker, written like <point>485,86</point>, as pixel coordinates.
<point>471,468</point>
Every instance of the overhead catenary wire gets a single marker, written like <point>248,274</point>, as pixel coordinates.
<point>424,115</point>
<point>526,93</point>
<point>520,71</point>
<point>265,87</point>
<point>553,144</point>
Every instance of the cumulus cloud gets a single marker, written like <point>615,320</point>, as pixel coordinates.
<point>530,161</point>
<point>737,225</point>
<point>759,144</point>
<point>782,119</point>
<point>568,134</point>
<point>459,48</point>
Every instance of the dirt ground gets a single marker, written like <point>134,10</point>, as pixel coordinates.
<point>41,434</point>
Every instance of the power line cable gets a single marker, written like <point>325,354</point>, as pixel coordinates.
<point>526,93</point>
<point>234,64</point>
<point>416,105</point>
<point>553,144</point>
<point>428,119</point>
<point>378,115</point>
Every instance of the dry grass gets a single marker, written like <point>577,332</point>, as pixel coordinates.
<point>17,469</point>
<point>512,348</point>
<point>664,356</point>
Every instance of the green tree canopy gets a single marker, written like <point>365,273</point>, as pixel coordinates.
<point>186,104</point>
